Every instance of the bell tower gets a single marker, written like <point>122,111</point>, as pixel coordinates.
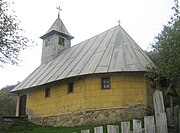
<point>56,39</point>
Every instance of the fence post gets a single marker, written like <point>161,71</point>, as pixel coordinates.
<point>85,131</point>
<point>158,102</point>
<point>137,128</point>
<point>98,129</point>
<point>161,123</point>
<point>149,124</point>
<point>161,120</point>
<point>176,118</point>
<point>113,129</point>
<point>125,127</point>
<point>169,114</point>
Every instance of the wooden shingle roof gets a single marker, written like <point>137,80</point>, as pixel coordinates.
<point>111,51</point>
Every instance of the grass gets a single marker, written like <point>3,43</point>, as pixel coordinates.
<point>20,126</point>
<point>27,127</point>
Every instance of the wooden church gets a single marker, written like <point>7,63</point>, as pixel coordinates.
<point>100,80</point>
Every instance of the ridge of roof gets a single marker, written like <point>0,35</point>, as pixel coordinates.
<point>110,51</point>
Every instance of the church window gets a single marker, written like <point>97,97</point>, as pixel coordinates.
<point>61,41</point>
<point>47,92</point>
<point>105,83</point>
<point>47,42</point>
<point>70,87</point>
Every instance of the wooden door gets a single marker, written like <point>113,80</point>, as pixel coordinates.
<point>22,105</point>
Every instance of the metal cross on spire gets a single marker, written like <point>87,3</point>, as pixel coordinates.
<point>59,9</point>
<point>119,22</point>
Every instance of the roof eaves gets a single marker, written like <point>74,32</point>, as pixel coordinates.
<point>56,32</point>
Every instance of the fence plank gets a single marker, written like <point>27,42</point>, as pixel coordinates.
<point>113,129</point>
<point>149,124</point>
<point>125,127</point>
<point>176,118</point>
<point>98,129</point>
<point>161,123</point>
<point>169,114</point>
<point>158,102</point>
<point>137,128</point>
<point>85,131</point>
<point>161,120</point>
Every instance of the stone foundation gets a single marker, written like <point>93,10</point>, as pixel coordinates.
<point>103,116</point>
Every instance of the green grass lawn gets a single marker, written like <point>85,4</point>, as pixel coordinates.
<point>27,127</point>
<point>21,126</point>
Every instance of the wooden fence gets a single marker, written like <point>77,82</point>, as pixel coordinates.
<point>162,119</point>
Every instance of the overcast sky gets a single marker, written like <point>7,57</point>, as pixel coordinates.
<point>142,19</point>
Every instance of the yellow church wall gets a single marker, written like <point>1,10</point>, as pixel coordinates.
<point>126,89</point>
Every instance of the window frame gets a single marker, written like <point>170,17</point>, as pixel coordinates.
<point>105,81</point>
<point>70,87</point>
<point>47,92</point>
<point>61,41</point>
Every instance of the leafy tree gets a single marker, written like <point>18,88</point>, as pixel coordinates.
<point>166,52</point>
<point>7,104</point>
<point>11,41</point>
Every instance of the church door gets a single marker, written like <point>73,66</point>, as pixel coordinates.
<point>22,105</point>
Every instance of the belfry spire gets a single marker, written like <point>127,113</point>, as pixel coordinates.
<point>56,39</point>
<point>59,9</point>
